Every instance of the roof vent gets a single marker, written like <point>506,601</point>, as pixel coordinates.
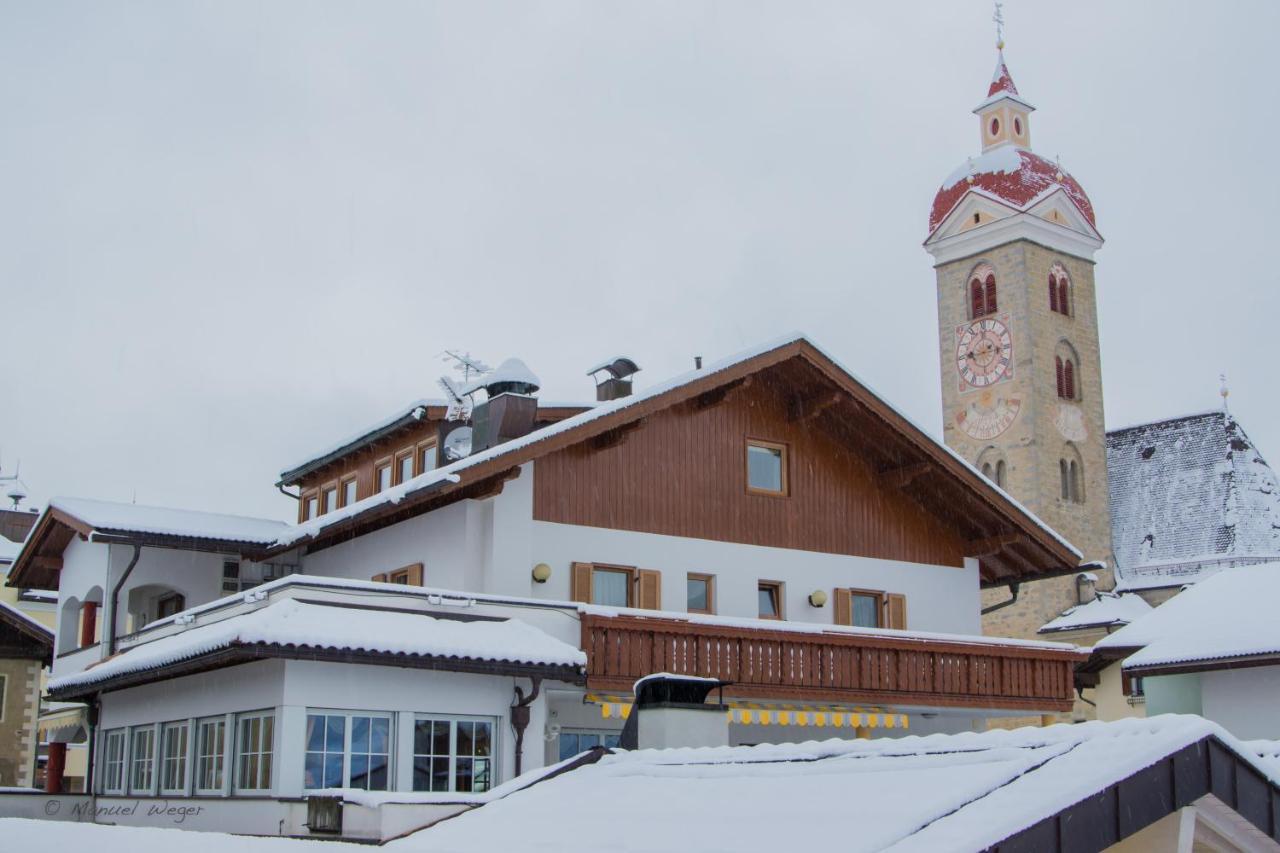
<point>613,378</point>
<point>510,410</point>
<point>672,711</point>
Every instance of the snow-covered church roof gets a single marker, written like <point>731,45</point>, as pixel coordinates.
<point>1189,496</point>
<point>1106,611</point>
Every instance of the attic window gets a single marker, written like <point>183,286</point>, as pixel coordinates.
<point>1148,452</point>
<point>766,468</point>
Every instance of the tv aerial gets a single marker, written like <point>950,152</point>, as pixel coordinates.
<point>470,368</point>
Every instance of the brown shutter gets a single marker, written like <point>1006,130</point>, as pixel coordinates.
<point>415,574</point>
<point>896,605</point>
<point>1057,366</point>
<point>991,294</point>
<point>843,607</point>
<point>88,623</point>
<point>650,589</point>
<point>975,299</point>
<point>580,583</point>
<point>1053,294</point>
<point>381,577</point>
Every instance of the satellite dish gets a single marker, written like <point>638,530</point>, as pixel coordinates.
<point>457,444</point>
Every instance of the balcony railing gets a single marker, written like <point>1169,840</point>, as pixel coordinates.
<point>831,666</point>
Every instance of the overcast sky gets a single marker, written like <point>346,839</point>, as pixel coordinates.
<point>233,232</point>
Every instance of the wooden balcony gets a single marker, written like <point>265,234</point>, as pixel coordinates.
<point>830,666</point>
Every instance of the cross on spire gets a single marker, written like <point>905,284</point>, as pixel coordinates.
<point>998,19</point>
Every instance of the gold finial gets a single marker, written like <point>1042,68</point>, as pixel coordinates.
<point>998,18</point>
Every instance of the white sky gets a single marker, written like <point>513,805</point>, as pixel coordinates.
<point>235,231</point>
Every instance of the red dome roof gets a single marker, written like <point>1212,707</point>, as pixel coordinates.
<point>1013,175</point>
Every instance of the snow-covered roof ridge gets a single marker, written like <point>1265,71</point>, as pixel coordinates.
<point>293,623</point>
<point>1189,495</point>
<point>415,410</point>
<point>450,472</point>
<point>170,521</point>
<point>1106,610</point>
<point>1229,615</point>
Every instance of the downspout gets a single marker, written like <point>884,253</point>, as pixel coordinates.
<point>1013,597</point>
<point>280,488</point>
<point>89,781</point>
<point>115,600</point>
<point>520,717</point>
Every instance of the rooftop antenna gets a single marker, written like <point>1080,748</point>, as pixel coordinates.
<point>1224,391</point>
<point>998,19</point>
<point>469,367</point>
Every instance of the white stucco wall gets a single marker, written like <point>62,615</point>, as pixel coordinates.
<point>1244,701</point>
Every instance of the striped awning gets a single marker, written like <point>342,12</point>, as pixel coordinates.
<point>63,722</point>
<point>749,713</point>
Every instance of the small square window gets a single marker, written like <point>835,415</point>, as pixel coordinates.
<point>766,468</point>
<point>611,587</point>
<point>700,594</point>
<point>382,477</point>
<point>769,594</point>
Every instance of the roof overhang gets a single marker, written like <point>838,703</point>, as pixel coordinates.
<point>948,242</point>
<point>1269,658</point>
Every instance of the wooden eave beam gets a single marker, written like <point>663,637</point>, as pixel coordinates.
<point>993,544</point>
<point>802,409</point>
<point>718,395</point>
<point>898,478</point>
<point>616,436</point>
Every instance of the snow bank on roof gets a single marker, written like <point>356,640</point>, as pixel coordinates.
<point>1231,614</point>
<point>24,618</point>
<point>23,834</point>
<point>9,549</point>
<point>1107,609</point>
<point>450,472</point>
<point>511,370</point>
<point>167,521</point>
<point>1003,160</point>
<point>294,623</point>
<point>937,793</point>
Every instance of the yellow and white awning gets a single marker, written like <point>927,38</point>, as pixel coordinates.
<point>63,722</point>
<point>747,713</point>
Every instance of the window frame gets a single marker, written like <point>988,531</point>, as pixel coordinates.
<point>343,484</point>
<point>386,463</point>
<point>602,734</point>
<point>419,456</point>
<point>329,488</point>
<point>150,730</point>
<point>348,718</point>
<point>710,581</point>
<point>776,591</point>
<point>629,571</point>
<point>409,455</point>
<point>265,747</point>
<point>495,749</point>
<point>306,511</point>
<point>783,461</point>
<point>123,768</point>
<point>181,760</point>
<point>219,758</point>
<point>881,599</point>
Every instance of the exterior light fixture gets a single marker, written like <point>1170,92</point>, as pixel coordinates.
<point>818,598</point>
<point>541,573</point>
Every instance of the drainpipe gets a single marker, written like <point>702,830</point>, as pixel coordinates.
<point>520,717</point>
<point>115,600</point>
<point>280,488</point>
<point>1013,597</point>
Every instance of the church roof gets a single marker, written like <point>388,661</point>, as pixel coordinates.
<point>1016,176</point>
<point>1189,496</point>
<point>1000,80</point>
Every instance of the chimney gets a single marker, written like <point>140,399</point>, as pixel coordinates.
<point>613,378</point>
<point>510,410</point>
<point>1086,587</point>
<point>672,711</point>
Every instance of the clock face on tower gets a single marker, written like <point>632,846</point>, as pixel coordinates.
<point>984,352</point>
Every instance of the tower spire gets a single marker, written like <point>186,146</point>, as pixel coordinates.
<point>998,18</point>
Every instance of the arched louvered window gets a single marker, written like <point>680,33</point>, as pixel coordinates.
<point>1000,471</point>
<point>1053,293</point>
<point>1064,305</point>
<point>1069,379</point>
<point>977,303</point>
<point>991,294</point>
<point>982,291</point>
<point>1057,367</point>
<point>1059,290</point>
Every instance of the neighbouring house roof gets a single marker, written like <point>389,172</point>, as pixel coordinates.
<point>1189,495</point>
<point>19,633</point>
<point>1078,787</point>
<point>1226,619</point>
<point>8,549</point>
<point>38,563</point>
<point>288,627</point>
<point>1045,552</point>
<point>1105,611</point>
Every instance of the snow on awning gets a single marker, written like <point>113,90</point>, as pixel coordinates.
<point>293,625</point>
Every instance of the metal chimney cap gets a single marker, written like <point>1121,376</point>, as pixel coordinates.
<point>619,368</point>
<point>512,375</point>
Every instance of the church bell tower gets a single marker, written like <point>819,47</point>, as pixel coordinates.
<point>1013,238</point>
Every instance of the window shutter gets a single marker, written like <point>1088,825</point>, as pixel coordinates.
<point>975,298</point>
<point>88,623</point>
<point>580,584</point>
<point>381,577</point>
<point>843,607</point>
<point>1063,304</point>
<point>1053,294</point>
<point>896,606</point>
<point>415,574</point>
<point>991,294</point>
<point>1069,379</point>
<point>1057,365</point>
<point>650,593</point>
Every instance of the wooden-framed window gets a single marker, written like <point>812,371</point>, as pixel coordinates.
<point>169,604</point>
<point>769,596</point>
<point>329,498</point>
<point>382,475</point>
<point>427,456</point>
<point>348,491</point>
<point>404,466</point>
<point>766,468</point>
<point>870,608</point>
<point>309,506</point>
<point>616,586</point>
<point>410,575</point>
<point>700,593</point>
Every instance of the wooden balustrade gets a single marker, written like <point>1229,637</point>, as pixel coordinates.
<point>830,666</point>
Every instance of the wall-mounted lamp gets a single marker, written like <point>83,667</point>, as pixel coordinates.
<point>541,573</point>
<point>818,598</point>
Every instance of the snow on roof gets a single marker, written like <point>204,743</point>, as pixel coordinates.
<point>450,472</point>
<point>14,613</point>
<point>511,370</point>
<point>1229,615</point>
<point>1189,495</point>
<point>289,622</point>
<point>167,521</point>
<point>416,410</point>
<point>29,834</point>
<point>8,549</point>
<point>941,792</point>
<point>1106,610</point>
<point>1021,185</point>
